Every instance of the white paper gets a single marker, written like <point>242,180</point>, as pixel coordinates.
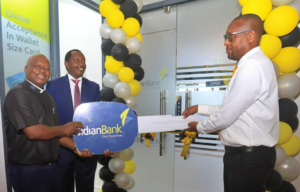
<point>163,123</point>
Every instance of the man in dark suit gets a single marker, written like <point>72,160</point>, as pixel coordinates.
<point>68,92</point>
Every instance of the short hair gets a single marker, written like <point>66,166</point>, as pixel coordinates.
<point>254,21</point>
<point>69,54</point>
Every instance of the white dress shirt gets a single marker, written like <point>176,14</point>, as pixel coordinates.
<point>249,114</point>
<point>72,86</point>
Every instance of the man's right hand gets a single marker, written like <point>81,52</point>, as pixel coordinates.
<point>190,111</point>
<point>73,128</point>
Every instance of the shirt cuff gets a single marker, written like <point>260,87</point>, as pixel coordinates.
<point>199,128</point>
<point>203,110</point>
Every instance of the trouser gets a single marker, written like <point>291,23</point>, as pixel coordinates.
<point>248,170</point>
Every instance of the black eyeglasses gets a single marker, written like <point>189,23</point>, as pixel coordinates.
<point>229,35</point>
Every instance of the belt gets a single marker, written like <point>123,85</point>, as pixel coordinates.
<point>229,149</point>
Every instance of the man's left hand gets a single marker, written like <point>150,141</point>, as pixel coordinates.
<point>84,153</point>
<point>192,126</point>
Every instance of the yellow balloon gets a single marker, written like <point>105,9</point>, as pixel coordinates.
<point>126,74</point>
<point>292,146</point>
<point>113,66</point>
<point>108,57</point>
<point>285,133</point>
<point>259,7</point>
<point>282,20</point>
<point>106,7</point>
<point>100,190</point>
<point>129,167</point>
<point>288,59</point>
<point>131,26</point>
<point>139,36</point>
<point>135,87</point>
<point>115,19</point>
<point>271,45</point>
<point>243,2</point>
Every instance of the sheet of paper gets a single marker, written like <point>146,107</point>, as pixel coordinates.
<point>163,123</point>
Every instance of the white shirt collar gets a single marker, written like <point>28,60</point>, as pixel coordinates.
<point>249,53</point>
<point>41,90</point>
<point>71,77</point>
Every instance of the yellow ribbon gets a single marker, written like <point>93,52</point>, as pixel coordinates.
<point>148,137</point>
<point>187,141</point>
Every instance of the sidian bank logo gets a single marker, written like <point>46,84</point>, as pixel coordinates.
<point>156,83</point>
<point>107,130</point>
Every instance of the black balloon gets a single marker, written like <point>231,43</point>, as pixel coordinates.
<point>119,52</point>
<point>121,190</point>
<point>129,8</point>
<point>139,74</point>
<point>286,187</point>
<point>119,100</point>
<point>293,124</point>
<point>105,174</point>
<point>107,94</point>
<point>133,61</point>
<point>287,110</point>
<point>103,160</point>
<point>118,2</point>
<point>139,19</point>
<point>110,186</point>
<point>292,39</point>
<point>107,46</point>
<point>274,181</point>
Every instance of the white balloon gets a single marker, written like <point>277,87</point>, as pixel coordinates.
<point>126,154</point>
<point>130,185</point>
<point>122,179</point>
<point>122,90</point>
<point>139,4</point>
<point>289,169</point>
<point>131,102</point>
<point>116,154</point>
<point>116,165</point>
<point>281,2</point>
<point>280,155</point>
<point>288,85</point>
<point>133,44</point>
<point>110,80</point>
<point>105,31</point>
<point>118,36</point>
<point>276,68</point>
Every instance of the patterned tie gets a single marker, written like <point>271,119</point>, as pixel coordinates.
<point>76,93</point>
<point>234,70</point>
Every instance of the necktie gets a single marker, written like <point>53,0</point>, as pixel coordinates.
<point>234,70</point>
<point>76,93</point>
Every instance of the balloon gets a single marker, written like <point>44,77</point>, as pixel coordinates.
<point>116,165</point>
<point>288,109</point>
<point>126,154</point>
<point>135,87</point>
<point>131,101</point>
<point>131,26</point>
<point>122,179</point>
<point>105,31</point>
<point>274,181</point>
<point>139,19</point>
<point>119,100</point>
<point>126,74</point>
<point>288,59</point>
<point>106,46</point>
<point>289,169</point>
<point>243,2</point>
<point>281,21</point>
<point>118,2</point>
<point>118,36</point>
<point>122,90</point>
<point>281,2</point>
<point>293,124</point>
<point>107,94</point>
<point>110,80</point>
<point>108,57</point>
<point>103,160</point>
<point>139,36</point>
<point>288,85</point>
<point>105,174</point>
<point>129,8</point>
<point>115,19</point>
<point>129,167</point>
<point>107,7</point>
<point>292,39</point>
<point>286,187</point>
<point>139,4</point>
<point>119,52</point>
<point>276,68</point>
<point>271,45</point>
<point>280,155</point>
<point>109,186</point>
<point>133,44</point>
<point>259,7</point>
<point>285,133</point>
<point>116,154</point>
<point>292,146</point>
<point>139,74</point>
<point>130,185</point>
<point>113,66</point>
<point>133,61</point>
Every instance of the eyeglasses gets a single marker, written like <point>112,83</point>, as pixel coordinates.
<point>79,61</point>
<point>38,67</point>
<point>229,35</point>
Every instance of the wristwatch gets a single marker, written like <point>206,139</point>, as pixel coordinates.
<point>75,148</point>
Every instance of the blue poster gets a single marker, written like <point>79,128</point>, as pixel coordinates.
<point>15,79</point>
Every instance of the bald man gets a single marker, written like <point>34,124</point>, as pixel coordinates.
<point>248,118</point>
<point>33,135</point>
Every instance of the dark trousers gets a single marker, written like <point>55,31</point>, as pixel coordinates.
<point>70,164</point>
<point>248,171</point>
<point>34,178</point>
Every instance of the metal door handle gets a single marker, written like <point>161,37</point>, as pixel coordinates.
<point>162,112</point>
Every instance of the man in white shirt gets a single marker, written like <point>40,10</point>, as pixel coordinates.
<point>248,118</point>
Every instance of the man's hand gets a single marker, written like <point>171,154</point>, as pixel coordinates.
<point>192,126</point>
<point>84,153</point>
<point>108,153</point>
<point>72,128</point>
<point>190,111</point>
